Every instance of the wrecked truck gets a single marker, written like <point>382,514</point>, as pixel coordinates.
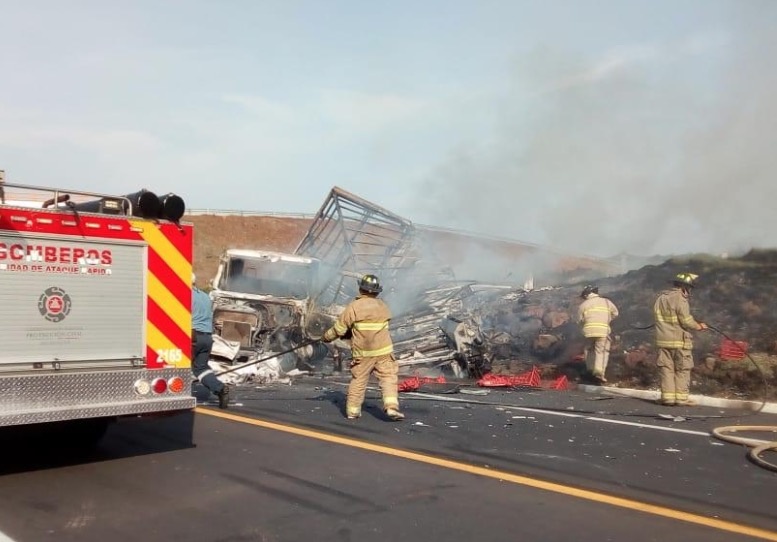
<point>262,303</point>
<point>267,303</point>
<point>270,302</point>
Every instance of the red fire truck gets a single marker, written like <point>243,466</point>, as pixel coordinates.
<point>95,308</point>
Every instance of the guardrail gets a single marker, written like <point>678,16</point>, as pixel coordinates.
<point>228,212</point>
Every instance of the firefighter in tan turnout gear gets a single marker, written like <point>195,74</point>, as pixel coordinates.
<point>594,315</point>
<point>674,341</point>
<point>367,320</point>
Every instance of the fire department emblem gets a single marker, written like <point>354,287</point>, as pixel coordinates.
<point>54,304</point>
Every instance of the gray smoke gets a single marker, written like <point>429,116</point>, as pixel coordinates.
<point>657,149</point>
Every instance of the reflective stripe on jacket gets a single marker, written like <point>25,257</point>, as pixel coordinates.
<point>596,313</point>
<point>673,319</point>
<point>368,319</point>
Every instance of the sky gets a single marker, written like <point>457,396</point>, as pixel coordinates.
<point>592,126</point>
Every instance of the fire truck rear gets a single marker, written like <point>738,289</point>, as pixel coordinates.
<point>95,308</point>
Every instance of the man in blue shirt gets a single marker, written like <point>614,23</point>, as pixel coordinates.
<point>202,342</point>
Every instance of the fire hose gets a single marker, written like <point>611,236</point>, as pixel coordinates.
<point>276,355</point>
<point>758,367</point>
<point>757,447</point>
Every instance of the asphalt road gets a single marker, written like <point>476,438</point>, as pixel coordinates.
<point>284,465</point>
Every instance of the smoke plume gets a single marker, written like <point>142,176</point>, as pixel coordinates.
<point>663,148</point>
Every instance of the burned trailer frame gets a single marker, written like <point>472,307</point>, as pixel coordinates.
<point>438,331</point>
<point>350,237</point>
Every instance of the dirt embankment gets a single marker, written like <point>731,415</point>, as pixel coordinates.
<point>469,254</point>
<point>213,234</point>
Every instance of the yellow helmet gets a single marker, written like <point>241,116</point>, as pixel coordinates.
<point>686,279</point>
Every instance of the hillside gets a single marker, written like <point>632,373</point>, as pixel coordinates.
<point>213,234</point>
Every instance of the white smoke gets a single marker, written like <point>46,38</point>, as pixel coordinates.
<point>662,148</point>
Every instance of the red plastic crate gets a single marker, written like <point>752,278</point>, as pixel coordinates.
<point>733,350</point>
<point>561,383</point>
<point>529,378</point>
<point>414,383</point>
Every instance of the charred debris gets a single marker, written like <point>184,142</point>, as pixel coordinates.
<point>268,302</point>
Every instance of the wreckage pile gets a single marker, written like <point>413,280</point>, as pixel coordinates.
<point>352,237</point>
<point>469,329</point>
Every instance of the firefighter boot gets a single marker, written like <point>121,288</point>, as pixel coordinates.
<point>223,396</point>
<point>394,414</point>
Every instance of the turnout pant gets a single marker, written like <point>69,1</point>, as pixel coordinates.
<point>674,366</point>
<point>597,363</point>
<point>385,368</point>
<point>201,346</point>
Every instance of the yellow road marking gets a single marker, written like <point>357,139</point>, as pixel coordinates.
<point>503,476</point>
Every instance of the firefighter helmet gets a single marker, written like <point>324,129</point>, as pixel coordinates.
<point>687,280</point>
<point>370,284</point>
<point>589,289</point>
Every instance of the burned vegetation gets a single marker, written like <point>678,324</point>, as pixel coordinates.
<point>737,297</point>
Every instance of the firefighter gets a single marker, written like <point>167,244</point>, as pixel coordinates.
<point>366,320</point>
<point>674,341</point>
<point>202,343</point>
<point>594,315</point>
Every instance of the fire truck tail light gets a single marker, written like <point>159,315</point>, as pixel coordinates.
<point>175,384</point>
<point>142,387</point>
<point>159,385</point>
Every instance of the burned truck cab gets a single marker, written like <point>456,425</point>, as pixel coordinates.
<point>262,299</point>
